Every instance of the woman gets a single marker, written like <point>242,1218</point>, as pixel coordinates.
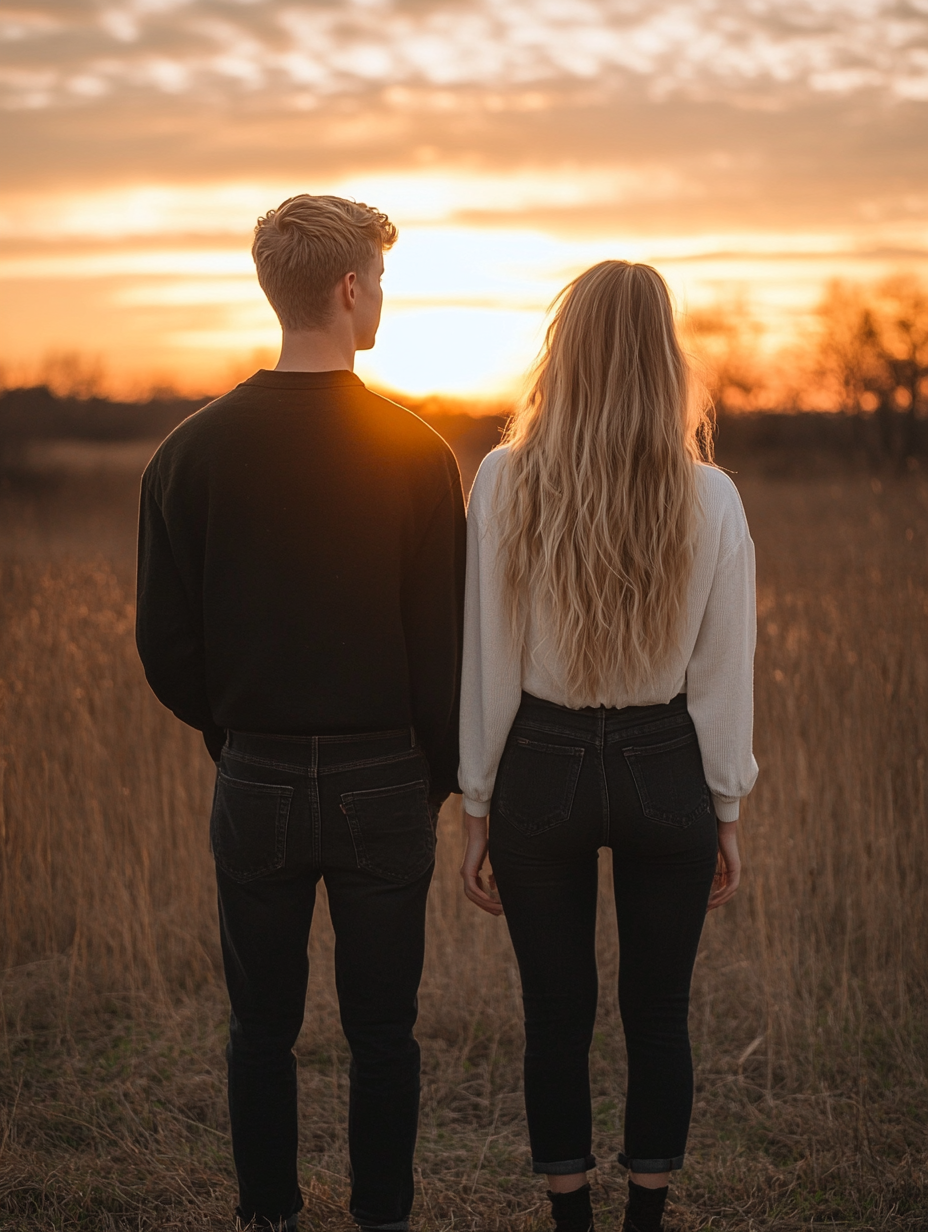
<point>606,701</point>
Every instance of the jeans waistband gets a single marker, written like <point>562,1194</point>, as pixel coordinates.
<point>610,720</point>
<point>321,751</point>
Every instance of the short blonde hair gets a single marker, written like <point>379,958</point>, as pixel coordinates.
<point>307,245</point>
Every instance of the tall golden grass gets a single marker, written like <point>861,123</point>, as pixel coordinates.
<point>811,990</point>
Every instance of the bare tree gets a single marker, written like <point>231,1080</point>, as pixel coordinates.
<point>69,374</point>
<point>725,340</point>
<point>902,313</point>
<point>848,361</point>
<point>872,356</point>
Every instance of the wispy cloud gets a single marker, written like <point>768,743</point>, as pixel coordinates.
<point>71,52</point>
<point>751,148</point>
<point>417,197</point>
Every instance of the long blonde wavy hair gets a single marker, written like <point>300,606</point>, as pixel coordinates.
<point>600,488</point>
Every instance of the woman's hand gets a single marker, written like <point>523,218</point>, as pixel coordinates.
<point>475,853</point>
<point>728,871</point>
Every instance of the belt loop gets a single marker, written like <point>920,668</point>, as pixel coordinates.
<point>314,762</point>
<point>412,737</point>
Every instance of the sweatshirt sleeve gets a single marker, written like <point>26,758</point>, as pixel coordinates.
<point>169,635</point>
<point>433,618</point>
<point>491,679</point>
<point>720,679</point>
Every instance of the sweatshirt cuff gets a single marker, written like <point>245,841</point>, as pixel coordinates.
<point>726,809</point>
<point>476,808</point>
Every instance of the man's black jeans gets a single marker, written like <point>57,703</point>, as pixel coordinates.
<point>355,811</point>
<point>570,782</point>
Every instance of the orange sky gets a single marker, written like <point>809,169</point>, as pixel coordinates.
<point>751,150</point>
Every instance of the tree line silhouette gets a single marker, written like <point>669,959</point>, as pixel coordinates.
<point>864,363</point>
<point>855,387</point>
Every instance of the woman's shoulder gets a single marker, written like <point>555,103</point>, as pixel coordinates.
<point>493,461</point>
<point>716,489</point>
<point>720,500</point>
<point>484,486</point>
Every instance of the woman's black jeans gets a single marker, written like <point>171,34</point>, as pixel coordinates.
<point>353,810</point>
<point>570,782</point>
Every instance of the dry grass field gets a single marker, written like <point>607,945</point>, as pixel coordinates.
<point>810,1005</point>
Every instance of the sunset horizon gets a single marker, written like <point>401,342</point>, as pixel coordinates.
<point>752,156</point>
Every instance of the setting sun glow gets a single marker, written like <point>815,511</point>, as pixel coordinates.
<point>751,159</point>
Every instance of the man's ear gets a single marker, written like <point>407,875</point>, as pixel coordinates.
<point>346,291</point>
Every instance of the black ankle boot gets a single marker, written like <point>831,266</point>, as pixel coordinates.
<point>572,1212</point>
<point>645,1208</point>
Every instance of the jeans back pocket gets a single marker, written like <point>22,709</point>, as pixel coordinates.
<point>670,780</point>
<point>536,783</point>
<point>392,830</point>
<point>248,827</point>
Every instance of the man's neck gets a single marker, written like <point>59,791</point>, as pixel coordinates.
<point>315,350</point>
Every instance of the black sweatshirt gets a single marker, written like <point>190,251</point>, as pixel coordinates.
<point>301,567</point>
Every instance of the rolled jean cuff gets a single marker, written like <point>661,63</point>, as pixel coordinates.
<point>402,1226</point>
<point>651,1165</point>
<point>565,1167</point>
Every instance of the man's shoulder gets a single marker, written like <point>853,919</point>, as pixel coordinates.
<point>411,442</point>
<point>184,445</point>
<point>208,416</point>
<point>410,427</point>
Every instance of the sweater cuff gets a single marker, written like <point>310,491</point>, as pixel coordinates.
<point>476,808</point>
<point>726,809</point>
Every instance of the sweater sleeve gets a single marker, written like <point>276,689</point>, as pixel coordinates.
<point>491,680</point>
<point>168,634</point>
<point>720,680</point>
<point>433,616</point>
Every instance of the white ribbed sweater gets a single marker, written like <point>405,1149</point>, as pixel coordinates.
<point>714,666</point>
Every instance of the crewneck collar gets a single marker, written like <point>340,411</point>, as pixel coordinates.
<point>268,378</point>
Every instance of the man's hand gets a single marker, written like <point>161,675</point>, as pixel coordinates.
<point>475,853</point>
<point>728,871</point>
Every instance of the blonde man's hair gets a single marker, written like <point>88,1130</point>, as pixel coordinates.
<point>597,497</point>
<point>307,245</point>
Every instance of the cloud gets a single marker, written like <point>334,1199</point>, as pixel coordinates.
<point>160,210</point>
<point>761,145</point>
<point>67,54</point>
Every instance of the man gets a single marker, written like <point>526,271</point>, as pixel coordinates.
<point>301,562</point>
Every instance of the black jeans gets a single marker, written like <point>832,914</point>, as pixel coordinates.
<point>355,811</point>
<point>570,782</point>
